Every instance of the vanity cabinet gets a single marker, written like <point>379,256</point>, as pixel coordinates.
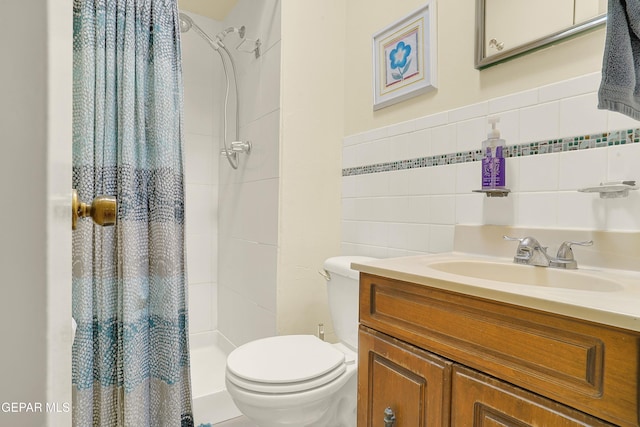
<point>413,382</point>
<point>442,358</point>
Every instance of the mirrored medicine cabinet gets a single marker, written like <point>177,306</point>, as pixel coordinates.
<point>508,28</point>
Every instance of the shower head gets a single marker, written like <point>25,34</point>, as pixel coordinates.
<point>185,23</point>
<point>222,34</point>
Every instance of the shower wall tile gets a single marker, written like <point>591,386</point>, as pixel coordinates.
<point>253,283</point>
<point>256,216</point>
<point>199,158</point>
<point>200,75</point>
<point>202,114</point>
<point>406,202</point>
<point>241,320</point>
<point>249,81</point>
<point>263,162</point>
<point>213,312</point>
<point>248,225</point>
<point>270,81</point>
<point>201,219</point>
<point>200,308</point>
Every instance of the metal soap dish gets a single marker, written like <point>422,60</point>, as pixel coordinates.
<point>612,190</point>
<point>494,192</point>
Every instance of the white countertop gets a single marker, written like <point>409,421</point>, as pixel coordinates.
<point>618,306</point>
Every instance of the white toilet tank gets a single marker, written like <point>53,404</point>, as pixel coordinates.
<point>342,289</point>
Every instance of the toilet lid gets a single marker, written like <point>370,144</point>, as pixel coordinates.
<point>282,360</point>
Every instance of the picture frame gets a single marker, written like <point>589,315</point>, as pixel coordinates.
<point>405,57</point>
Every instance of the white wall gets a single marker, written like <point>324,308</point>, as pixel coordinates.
<point>248,196</point>
<point>411,211</point>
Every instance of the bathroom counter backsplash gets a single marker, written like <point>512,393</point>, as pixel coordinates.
<point>407,185</point>
<point>574,143</point>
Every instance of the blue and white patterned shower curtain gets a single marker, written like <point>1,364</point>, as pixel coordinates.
<point>130,354</point>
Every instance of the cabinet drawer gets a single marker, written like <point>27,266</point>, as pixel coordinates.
<point>413,383</point>
<point>478,400</point>
<point>591,367</point>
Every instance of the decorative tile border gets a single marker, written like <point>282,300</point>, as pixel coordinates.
<point>606,139</point>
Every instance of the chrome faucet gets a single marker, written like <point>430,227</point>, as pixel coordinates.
<point>531,252</point>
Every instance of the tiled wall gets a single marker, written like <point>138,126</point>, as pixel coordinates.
<point>248,199</point>
<point>405,186</point>
<point>202,78</point>
<point>232,215</point>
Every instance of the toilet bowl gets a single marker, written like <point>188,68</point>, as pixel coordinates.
<point>300,380</point>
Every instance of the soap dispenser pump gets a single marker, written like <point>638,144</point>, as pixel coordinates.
<point>493,164</point>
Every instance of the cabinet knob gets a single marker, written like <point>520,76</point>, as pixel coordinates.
<point>389,417</point>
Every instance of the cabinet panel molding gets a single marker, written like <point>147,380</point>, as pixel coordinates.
<point>591,367</point>
<point>481,401</point>
<point>412,382</point>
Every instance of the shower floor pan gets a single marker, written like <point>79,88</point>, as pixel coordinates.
<point>211,402</point>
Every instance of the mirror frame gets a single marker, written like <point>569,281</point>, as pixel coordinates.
<point>482,61</point>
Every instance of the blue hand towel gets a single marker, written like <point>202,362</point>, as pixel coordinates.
<point>620,86</point>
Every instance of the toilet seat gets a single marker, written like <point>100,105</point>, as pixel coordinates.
<point>285,364</point>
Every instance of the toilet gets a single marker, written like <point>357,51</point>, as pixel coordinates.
<point>300,380</point>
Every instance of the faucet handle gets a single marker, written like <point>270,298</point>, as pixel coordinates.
<point>529,251</point>
<point>526,242</point>
<point>565,253</point>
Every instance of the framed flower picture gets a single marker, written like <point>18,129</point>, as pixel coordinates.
<point>405,57</point>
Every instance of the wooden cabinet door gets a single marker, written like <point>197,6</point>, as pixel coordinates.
<point>415,384</point>
<point>482,401</point>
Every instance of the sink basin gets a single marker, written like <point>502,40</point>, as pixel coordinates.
<point>527,275</point>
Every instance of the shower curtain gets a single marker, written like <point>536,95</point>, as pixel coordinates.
<point>130,354</point>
